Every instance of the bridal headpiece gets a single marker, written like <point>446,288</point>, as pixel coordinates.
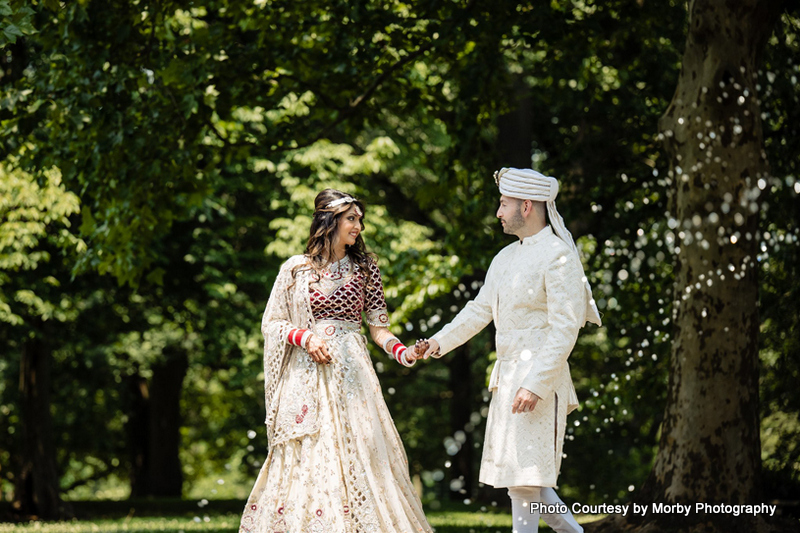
<point>340,201</point>
<point>343,200</point>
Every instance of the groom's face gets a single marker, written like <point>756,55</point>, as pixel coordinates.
<point>510,214</point>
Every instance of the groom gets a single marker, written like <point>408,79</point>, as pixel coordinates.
<point>539,298</point>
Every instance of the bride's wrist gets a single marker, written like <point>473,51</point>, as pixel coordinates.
<point>389,343</point>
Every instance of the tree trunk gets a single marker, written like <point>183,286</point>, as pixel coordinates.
<point>710,449</point>
<point>37,491</point>
<point>461,407</point>
<point>156,456</point>
<point>136,431</point>
<point>165,474</point>
<point>515,131</point>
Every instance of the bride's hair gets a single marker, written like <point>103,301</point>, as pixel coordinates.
<point>323,229</point>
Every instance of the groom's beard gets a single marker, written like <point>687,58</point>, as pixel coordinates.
<point>514,224</point>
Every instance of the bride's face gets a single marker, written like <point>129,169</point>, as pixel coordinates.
<point>349,226</point>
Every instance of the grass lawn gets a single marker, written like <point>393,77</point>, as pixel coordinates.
<point>222,516</point>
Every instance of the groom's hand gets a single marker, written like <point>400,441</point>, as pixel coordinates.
<point>524,402</point>
<point>432,348</point>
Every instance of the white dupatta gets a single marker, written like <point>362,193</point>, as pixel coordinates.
<point>291,377</point>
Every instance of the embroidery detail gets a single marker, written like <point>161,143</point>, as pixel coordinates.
<point>345,297</point>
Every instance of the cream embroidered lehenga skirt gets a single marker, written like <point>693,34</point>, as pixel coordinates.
<point>351,476</point>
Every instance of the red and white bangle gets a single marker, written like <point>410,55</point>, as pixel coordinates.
<point>387,341</point>
<point>299,337</point>
<point>399,353</point>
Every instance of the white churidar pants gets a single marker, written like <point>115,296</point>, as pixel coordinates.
<point>527,522</point>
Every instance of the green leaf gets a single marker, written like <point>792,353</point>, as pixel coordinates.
<point>156,277</point>
<point>12,32</point>
<point>87,221</point>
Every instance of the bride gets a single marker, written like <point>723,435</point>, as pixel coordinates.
<point>336,462</point>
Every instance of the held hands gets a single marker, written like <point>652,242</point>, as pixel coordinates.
<point>416,352</point>
<point>425,348</point>
<point>524,402</point>
<point>318,350</point>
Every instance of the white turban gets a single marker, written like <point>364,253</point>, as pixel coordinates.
<point>527,184</point>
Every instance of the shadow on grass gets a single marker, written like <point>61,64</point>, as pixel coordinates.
<point>161,507</point>
<point>155,507</point>
<point>222,516</point>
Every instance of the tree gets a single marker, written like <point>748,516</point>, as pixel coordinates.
<point>710,442</point>
<point>151,120</point>
<point>33,227</point>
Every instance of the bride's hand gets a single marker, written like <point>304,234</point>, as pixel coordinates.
<point>318,350</point>
<point>411,354</point>
<point>402,353</point>
<point>420,347</point>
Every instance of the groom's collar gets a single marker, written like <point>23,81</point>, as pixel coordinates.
<point>536,237</point>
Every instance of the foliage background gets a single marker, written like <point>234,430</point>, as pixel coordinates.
<point>159,162</point>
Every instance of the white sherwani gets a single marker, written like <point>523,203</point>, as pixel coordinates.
<point>535,291</point>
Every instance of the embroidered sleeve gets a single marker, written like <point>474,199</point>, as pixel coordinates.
<point>375,302</point>
<point>475,316</point>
